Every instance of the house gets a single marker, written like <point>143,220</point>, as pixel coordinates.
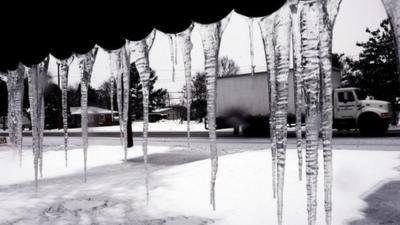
<point>96,116</point>
<point>164,113</point>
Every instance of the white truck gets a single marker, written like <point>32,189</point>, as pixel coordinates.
<point>242,104</point>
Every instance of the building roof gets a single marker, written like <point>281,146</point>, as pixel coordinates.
<point>91,110</point>
<point>162,110</point>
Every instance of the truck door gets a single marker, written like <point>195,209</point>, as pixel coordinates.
<point>346,105</point>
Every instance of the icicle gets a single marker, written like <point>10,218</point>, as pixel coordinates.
<point>281,38</point>
<point>211,38</point>
<point>250,22</point>
<point>327,20</point>
<point>115,68</point>
<point>172,52</point>
<point>64,68</point>
<point>309,21</point>
<point>36,79</point>
<point>34,85</point>
<point>125,69</point>
<point>41,130</point>
<point>175,49</point>
<point>297,78</point>
<point>112,97</point>
<point>15,83</point>
<point>85,63</point>
<point>186,47</point>
<point>267,29</point>
<point>392,8</point>
<point>11,121</point>
<point>120,68</point>
<point>140,53</point>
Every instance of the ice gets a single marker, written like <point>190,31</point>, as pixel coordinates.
<point>298,83</point>
<point>85,63</point>
<point>267,28</point>
<point>112,96</point>
<point>172,49</point>
<point>140,54</point>
<point>15,83</point>
<point>186,45</point>
<point>393,10</point>
<point>120,68</point>
<point>64,69</point>
<point>211,35</point>
<point>36,80</point>
<point>282,56</point>
<point>11,122</point>
<point>309,50</point>
<point>327,19</point>
<point>250,22</point>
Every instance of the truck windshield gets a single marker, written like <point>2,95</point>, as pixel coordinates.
<point>360,95</point>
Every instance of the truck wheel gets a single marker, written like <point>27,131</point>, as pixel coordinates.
<point>236,130</point>
<point>371,125</point>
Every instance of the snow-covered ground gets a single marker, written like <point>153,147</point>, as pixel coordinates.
<point>162,125</point>
<point>179,187</point>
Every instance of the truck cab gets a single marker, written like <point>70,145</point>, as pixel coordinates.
<point>353,109</point>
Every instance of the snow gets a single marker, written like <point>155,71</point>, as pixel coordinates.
<point>245,195</point>
<point>54,166</point>
<point>179,193</point>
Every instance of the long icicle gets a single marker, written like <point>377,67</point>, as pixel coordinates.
<point>326,77</point>
<point>42,70</point>
<point>41,130</point>
<point>11,120</point>
<point>282,58</point>
<point>115,67</point>
<point>392,8</point>
<point>250,22</point>
<point>85,62</point>
<point>329,10</point>
<point>267,29</point>
<point>36,80</point>
<point>64,68</point>
<point>186,47</point>
<point>309,20</point>
<point>19,105</point>
<point>16,79</point>
<point>125,70</point>
<point>119,64</point>
<point>211,35</point>
<point>33,102</point>
<point>139,51</point>
<point>298,83</point>
<point>112,97</point>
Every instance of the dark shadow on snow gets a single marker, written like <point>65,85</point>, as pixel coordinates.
<point>171,158</point>
<point>383,206</point>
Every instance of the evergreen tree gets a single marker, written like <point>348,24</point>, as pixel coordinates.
<point>376,69</point>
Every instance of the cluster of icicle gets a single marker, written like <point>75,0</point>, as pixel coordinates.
<point>307,27</point>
